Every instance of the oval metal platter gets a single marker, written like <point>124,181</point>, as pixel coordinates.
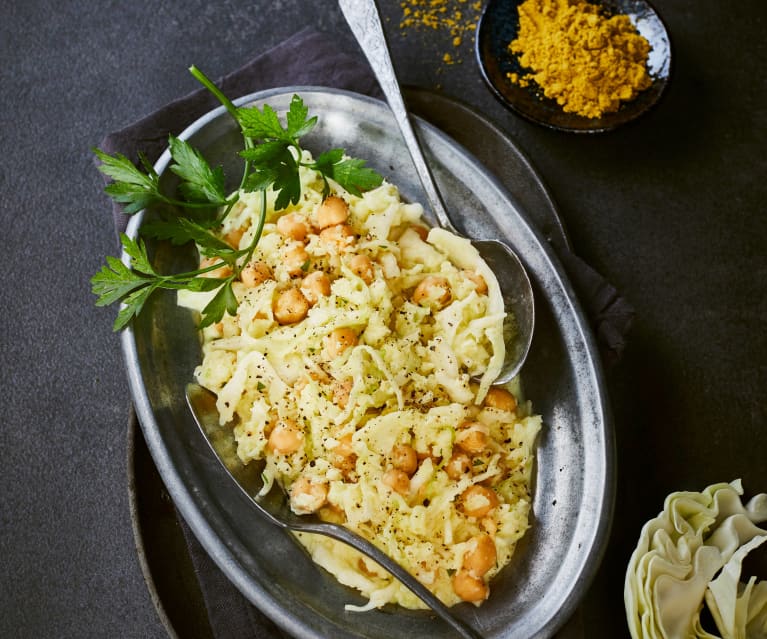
<point>574,476</point>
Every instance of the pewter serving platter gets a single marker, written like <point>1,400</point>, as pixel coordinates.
<point>574,475</point>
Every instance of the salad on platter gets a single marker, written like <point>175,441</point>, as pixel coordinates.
<point>350,347</point>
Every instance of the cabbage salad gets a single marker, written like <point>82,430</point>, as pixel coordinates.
<point>359,366</point>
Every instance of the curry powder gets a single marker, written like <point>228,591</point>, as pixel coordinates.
<point>458,18</point>
<point>587,61</point>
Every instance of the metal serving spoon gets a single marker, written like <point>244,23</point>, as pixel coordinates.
<point>365,23</point>
<point>274,505</point>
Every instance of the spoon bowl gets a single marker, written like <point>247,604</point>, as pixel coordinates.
<point>516,289</point>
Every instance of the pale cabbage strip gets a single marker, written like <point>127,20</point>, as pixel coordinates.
<point>691,555</point>
<point>407,379</point>
<point>466,256</point>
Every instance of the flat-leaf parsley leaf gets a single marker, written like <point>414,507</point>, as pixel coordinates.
<point>273,157</point>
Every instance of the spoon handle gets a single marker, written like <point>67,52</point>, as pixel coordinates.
<point>365,23</point>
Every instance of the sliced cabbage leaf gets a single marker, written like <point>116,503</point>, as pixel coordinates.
<point>463,254</point>
<point>691,555</point>
<point>733,604</point>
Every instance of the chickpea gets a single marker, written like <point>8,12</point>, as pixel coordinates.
<point>433,291</point>
<point>362,266</point>
<point>296,259</point>
<point>341,390</point>
<point>338,235</point>
<point>290,306</point>
<point>479,282</point>
<point>343,456</point>
<point>397,480</point>
<point>307,496</point>
<point>223,271</point>
<point>478,501</point>
<point>501,399</point>
<point>404,458</point>
<point>233,237</point>
<point>481,556</point>
<point>458,465</point>
<point>469,588</point>
<point>255,273</point>
<point>286,437</point>
<point>339,340</point>
<point>344,447</point>
<point>293,226</point>
<point>333,210</point>
<point>472,437</point>
<point>315,285</point>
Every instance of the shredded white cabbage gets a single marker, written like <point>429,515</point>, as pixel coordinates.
<point>691,554</point>
<point>365,404</point>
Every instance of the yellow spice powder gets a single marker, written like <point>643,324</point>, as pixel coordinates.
<point>458,18</point>
<point>588,62</point>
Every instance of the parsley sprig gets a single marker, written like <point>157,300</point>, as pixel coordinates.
<point>272,156</point>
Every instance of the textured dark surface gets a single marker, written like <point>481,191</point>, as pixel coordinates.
<point>670,209</point>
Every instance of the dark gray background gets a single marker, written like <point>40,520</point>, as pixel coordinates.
<point>669,209</point>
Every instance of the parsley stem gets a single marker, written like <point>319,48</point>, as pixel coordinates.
<point>196,205</point>
<point>257,235</point>
<point>229,106</point>
<point>210,86</point>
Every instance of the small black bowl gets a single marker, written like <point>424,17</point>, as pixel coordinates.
<point>498,26</point>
